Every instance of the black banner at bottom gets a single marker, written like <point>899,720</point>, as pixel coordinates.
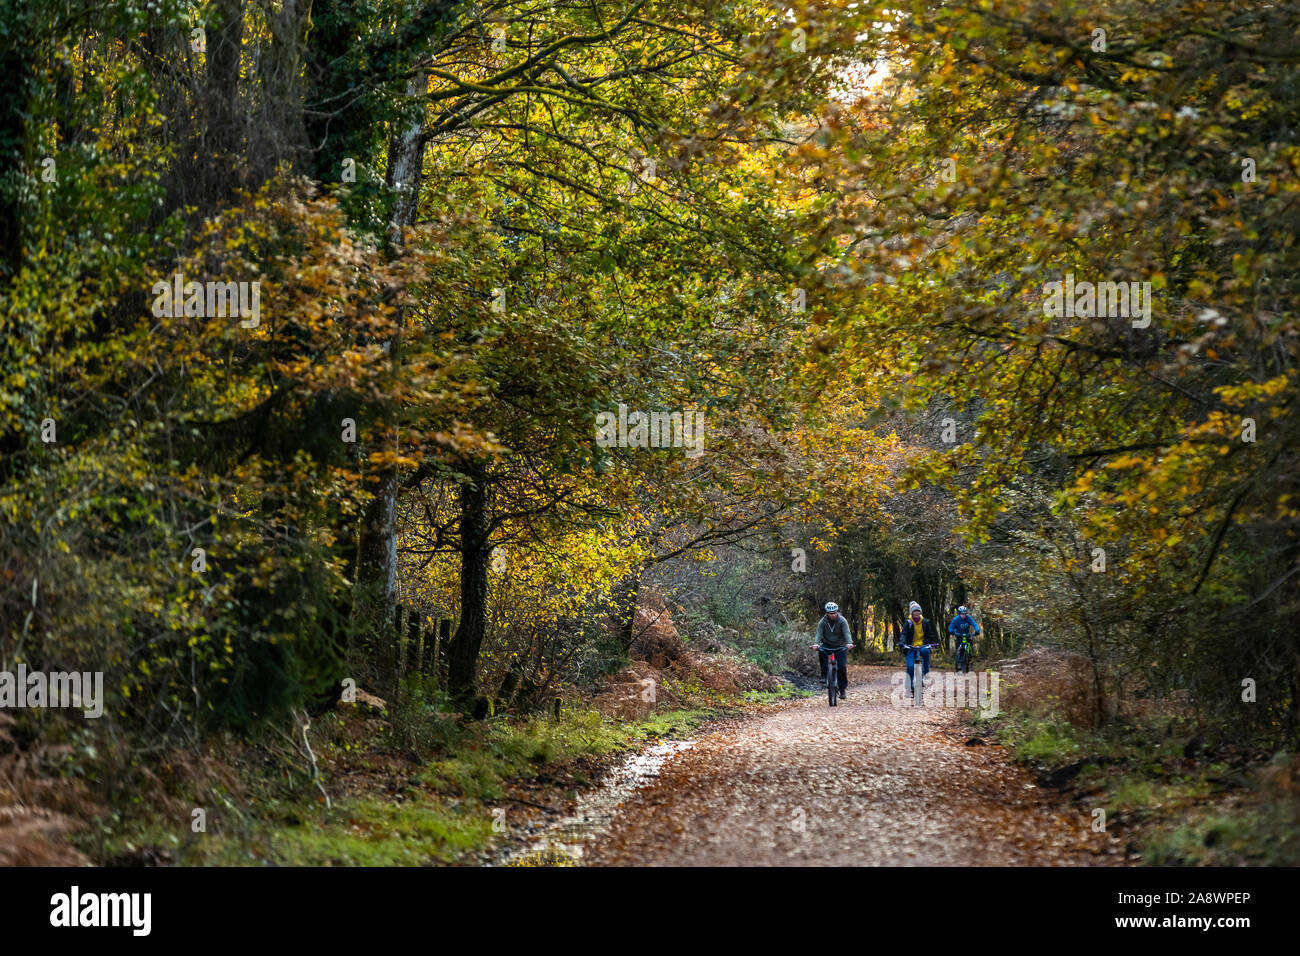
<point>130,907</point>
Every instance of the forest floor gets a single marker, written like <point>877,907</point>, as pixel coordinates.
<point>867,783</point>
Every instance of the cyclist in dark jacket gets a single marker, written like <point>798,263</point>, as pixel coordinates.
<point>833,633</point>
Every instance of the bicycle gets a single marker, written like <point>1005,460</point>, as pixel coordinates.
<point>918,665</point>
<point>832,669</point>
<point>964,652</point>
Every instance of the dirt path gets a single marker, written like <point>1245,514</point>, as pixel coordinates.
<point>903,789</point>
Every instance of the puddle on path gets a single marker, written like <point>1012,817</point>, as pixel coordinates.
<point>561,843</point>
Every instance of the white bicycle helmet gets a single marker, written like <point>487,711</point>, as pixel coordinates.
<point>831,606</point>
<point>962,609</point>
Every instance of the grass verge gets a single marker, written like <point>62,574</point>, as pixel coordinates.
<point>1178,802</point>
<point>388,805</point>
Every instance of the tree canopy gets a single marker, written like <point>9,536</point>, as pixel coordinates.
<point>322,323</point>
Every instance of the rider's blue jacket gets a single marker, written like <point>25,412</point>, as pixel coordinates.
<point>963,628</point>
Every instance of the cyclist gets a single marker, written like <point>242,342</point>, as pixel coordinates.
<point>917,630</point>
<point>963,627</point>
<point>833,633</point>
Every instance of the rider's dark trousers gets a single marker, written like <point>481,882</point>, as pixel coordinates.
<point>841,665</point>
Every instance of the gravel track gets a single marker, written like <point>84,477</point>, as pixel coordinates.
<point>864,784</point>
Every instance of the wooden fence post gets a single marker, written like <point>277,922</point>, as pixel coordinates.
<point>439,636</point>
<point>403,612</point>
<point>415,637</point>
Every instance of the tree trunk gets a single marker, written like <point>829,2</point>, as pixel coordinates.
<point>475,552</point>
<point>440,645</point>
<point>415,637</point>
<point>281,75</point>
<point>223,136</point>
<point>377,567</point>
<point>377,583</point>
<point>17,61</point>
<point>857,614</point>
<point>626,593</point>
<point>405,616</point>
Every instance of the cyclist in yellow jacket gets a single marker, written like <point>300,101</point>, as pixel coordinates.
<point>918,630</point>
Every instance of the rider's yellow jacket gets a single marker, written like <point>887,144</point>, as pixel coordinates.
<point>912,639</point>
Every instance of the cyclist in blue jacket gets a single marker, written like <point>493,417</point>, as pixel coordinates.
<point>963,625</point>
<point>963,628</point>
